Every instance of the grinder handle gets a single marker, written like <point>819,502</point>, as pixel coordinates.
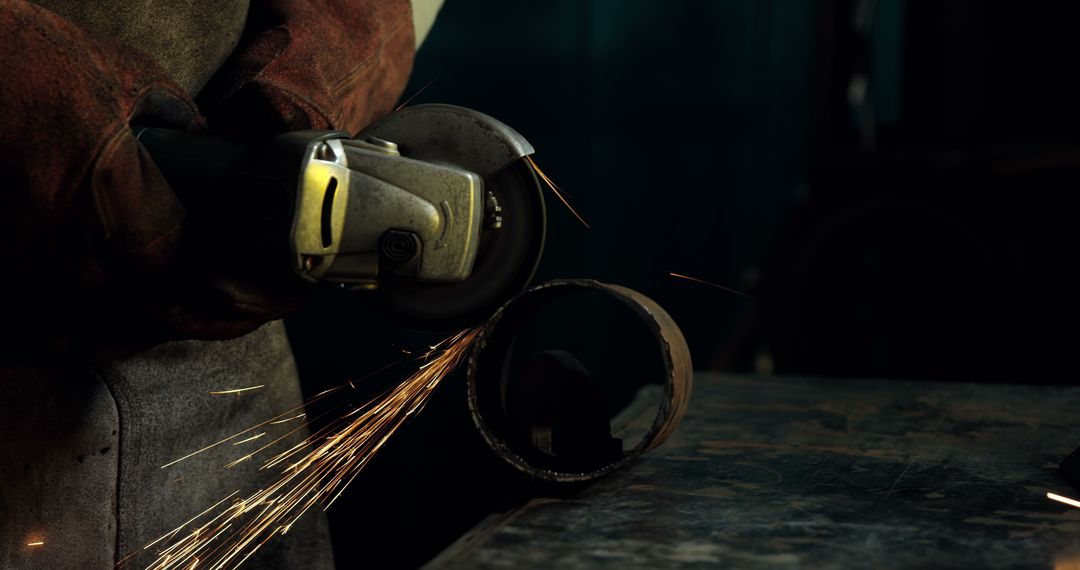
<point>246,188</point>
<point>190,159</point>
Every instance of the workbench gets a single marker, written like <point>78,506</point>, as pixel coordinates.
<point>769,472</point>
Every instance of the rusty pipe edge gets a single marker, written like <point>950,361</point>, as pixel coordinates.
<point>492,348</point>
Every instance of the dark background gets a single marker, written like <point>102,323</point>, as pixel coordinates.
<point>892,183</point>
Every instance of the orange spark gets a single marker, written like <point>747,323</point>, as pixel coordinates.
<point>128,557</point>
<point>298,416</point>
<point>335,455</point>
<point>191,520</point>
<point>413,96</point>
<point>194,453</point>
<point>556,190</point>
<point>252,438</point>
<point>313,399</point>
<point>709,283</point>
<point>37,543</point>
<point>237,390</point>
<point>1066,500</point>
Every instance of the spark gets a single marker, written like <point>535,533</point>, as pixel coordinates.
<point>334,456</point>
<point>1066,500</point>
<point>194,453</point>
<point>232,464</point>
<point>312,400</point>
<point>252,438</point>
<point>126,558</point>
<point>191,520</point>
<point>296,417</point>
<point>709,283</point>
<point>236,391</point>
<point>556,190</point>
<point>413,96</point>
<point>37,543</point>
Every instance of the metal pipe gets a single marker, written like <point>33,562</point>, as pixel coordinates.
<point>489,363</point>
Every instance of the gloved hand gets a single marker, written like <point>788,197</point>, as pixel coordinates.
<point>99,252</point>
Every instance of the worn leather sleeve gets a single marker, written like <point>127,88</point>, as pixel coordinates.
<point>313,64</point>
<point>85,217</point>
<point>93,238</point>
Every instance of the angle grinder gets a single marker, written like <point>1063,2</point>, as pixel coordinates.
<point>432,211</point>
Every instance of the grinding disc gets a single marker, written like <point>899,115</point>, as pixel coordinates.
<point>507,257</point>
<point>506,260</point>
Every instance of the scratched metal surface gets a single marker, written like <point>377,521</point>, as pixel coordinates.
<point>813,473</point>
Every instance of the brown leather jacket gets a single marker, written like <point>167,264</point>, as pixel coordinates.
<point>94,238</point>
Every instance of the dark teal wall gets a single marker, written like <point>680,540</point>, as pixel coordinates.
<point>679,128</point>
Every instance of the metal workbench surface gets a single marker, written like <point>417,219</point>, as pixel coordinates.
<point>819,473</point>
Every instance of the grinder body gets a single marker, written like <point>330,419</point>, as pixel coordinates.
<point>412,207</point>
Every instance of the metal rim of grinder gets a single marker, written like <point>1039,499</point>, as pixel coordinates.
<point>510,246</point>
<point>493,347</point>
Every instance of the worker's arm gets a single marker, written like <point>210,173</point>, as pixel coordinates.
<point>313,64</point>
<point>98,252</point>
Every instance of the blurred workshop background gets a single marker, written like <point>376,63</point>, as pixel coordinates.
<point>891,183</point>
